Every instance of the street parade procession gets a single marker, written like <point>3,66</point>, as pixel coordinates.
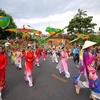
<point>58,65</point>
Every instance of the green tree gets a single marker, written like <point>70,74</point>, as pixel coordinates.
<point>95,38</point>
<point>3,33</point>
<point>81,13</point>
<point>81,23</point>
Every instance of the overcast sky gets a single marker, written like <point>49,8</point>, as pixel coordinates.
<point>55,13</point>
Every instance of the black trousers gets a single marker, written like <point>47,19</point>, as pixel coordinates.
<point>76,58</point>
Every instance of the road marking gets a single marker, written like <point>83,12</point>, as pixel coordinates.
<point>59,78</point>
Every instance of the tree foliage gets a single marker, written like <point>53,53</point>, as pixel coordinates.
<point>93,37</point>
<point>4,34</point>
<point>81,23</point>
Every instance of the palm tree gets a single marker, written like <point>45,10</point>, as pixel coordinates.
<point>81,13</point>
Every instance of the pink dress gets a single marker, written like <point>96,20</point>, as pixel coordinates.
<point>37,57</point>
<point>62,65</point>
<point>44,54</point>
<point>64,58</point>
<point>18,59</point>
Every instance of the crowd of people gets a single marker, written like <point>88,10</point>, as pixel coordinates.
<point>59,55</point>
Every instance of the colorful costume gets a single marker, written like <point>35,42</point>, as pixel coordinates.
<point>54,56</point>
<point>92,80</point>
<point>29,58</point>
<point>13,57</point>
<point>68,52</point>
<point>37,57</point>
<point>44,54</point>
<point>3,63</point>
<point>18,59</point>
<point>62,65</point>
<point>23,53</point>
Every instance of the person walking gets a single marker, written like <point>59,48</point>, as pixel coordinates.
<point>3,64</point>
<point>29,58</point>
<point>92,82</point>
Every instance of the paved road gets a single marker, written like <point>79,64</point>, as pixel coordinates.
<point>49,84</point>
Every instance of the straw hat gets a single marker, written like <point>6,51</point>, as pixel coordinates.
<point>88,44</point>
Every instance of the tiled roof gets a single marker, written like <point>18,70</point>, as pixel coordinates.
<point>63,36</point>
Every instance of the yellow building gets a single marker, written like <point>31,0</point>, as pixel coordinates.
<point>57,40</point>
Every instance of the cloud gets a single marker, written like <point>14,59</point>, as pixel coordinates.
<point>42,13</point>
<point>57,21</point>
<point>35,8</point>
<point>44,8</point>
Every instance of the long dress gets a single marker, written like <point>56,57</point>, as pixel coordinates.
<point>23,53</point>
<point>54,56</point>
<point>37,57</point>
<point>18,59</point>
<point>3,63</point>
<point>44,54</point>
<point>92,80</point>
<point>62,65</point>
<point>29,58</point>
<point>13,57</point>
<point>68,52</point>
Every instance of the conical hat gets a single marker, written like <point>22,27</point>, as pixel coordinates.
<point>88,44</point>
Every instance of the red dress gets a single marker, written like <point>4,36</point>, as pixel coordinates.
<point>3,63</point>
<point>23,52</point>
<point>38,53</point>
<point>29,58</point>
<point>44,54</point>
<point>68,52</point>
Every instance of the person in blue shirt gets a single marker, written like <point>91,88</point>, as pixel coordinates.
<point>76,52</point>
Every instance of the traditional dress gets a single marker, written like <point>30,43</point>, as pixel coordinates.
<point>18,59</point>
<point>3,63</point>
<point>68,52</point>
<point>62,65</point>
<point>13,57</point>
<point>29,58</point>
<point>37,57</point>
<point>92,80</point>
<point>54,56</point>
<point>23,53</point>
<point>44,54</point>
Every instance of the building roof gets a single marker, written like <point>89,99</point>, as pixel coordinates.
<point>61,36</point>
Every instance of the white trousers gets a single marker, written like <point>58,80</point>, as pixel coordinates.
<point>54,58</point>
<point>85,84</point>
<point>29,79</point>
